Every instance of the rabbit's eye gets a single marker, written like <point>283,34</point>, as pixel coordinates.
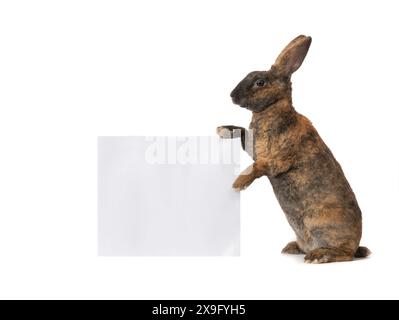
<point>260,82</point>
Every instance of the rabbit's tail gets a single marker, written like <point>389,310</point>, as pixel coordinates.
<point>362,252</point>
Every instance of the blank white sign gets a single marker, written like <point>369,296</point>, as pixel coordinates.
<point>167,196</point>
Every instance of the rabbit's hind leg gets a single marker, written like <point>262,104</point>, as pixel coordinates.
<point>292,248</point>
<point>326,255</point>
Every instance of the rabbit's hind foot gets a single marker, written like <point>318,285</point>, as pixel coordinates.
<point>326,255</point>
<point>292,248</point>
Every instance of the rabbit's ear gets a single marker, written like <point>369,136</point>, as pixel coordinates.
<point>291,58</point>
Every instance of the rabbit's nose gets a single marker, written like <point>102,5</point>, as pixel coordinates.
<point>234,96</point>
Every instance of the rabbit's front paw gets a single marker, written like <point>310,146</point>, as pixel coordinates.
<point>229,132</point>
<point>242,182</point>
<point>224,132</point>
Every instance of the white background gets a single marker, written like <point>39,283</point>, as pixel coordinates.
<point>73,70</point>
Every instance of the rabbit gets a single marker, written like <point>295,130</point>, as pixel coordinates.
<point>308,182</point>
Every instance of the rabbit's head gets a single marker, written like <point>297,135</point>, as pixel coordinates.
<point>260,89</point>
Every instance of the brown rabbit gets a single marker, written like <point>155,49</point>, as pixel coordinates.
<point>307,180</point>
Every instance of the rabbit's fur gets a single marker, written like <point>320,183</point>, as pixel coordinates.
<point>307,180</point>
